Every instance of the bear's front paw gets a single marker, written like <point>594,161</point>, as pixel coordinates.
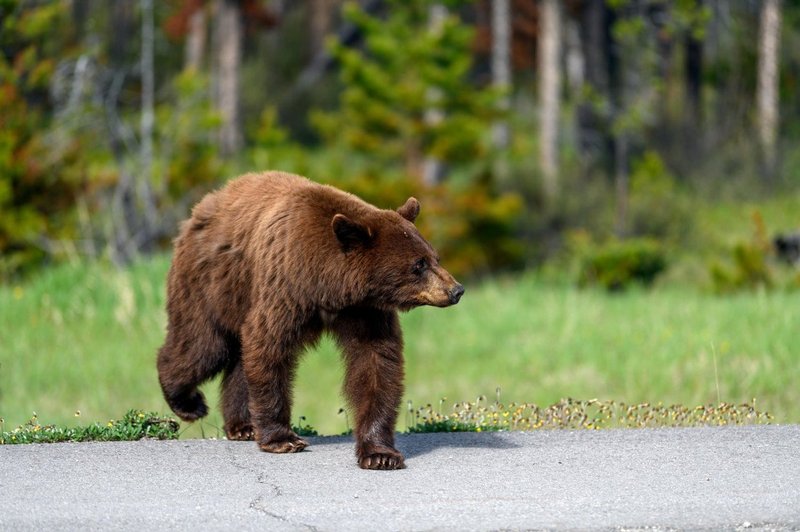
<point>283,442</point>
<point>382,458</point>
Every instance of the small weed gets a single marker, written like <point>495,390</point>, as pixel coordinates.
<point>304,429</point>
<point>573,414</point>
<point>135,425</point>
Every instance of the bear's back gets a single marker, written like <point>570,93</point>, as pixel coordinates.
<point>270,232</point>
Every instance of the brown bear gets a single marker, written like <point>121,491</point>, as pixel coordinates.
<point>260,270</point>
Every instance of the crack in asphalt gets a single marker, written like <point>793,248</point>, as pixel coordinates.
<point>258,503</point>
<point>261,476</point>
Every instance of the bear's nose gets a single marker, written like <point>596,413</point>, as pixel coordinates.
<point>455,294</point>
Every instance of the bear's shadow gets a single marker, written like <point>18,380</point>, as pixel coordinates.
<point>412,445</point>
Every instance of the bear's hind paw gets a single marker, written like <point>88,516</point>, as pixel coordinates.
<point>289,444</point>
<point>243,433</point>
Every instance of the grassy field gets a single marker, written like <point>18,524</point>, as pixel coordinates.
<point>84,337</point>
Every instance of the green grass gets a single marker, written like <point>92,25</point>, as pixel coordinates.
<point>84,337</point>
<point>135,425</point>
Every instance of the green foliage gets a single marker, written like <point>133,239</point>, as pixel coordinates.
<point>751,265</point>
<point>634,100</point>
<point>480,416</point>
<point>689,17</point>
<point>404,71</point>
<point>617,264</point>
<point>188,162</point>
<point>657,208</point>
<point>33,200</point>
<point>135,425</point>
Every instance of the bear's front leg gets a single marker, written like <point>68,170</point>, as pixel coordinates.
<point>372,346</point>
<point>269,362</point>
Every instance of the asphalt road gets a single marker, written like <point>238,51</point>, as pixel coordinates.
<point>734,478</point>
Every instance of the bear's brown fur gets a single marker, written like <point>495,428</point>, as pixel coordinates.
<point>261,268</point>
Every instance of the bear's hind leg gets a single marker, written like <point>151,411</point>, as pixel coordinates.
<point>235,409</point>
<point>269,361</point>
<point>188,358</point>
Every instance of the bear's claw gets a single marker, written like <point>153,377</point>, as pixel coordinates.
<point>240,433</point>
<point>291,444</point>
<point>382,461</point>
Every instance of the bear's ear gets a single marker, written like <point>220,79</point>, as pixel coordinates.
<point>350,234</point>
<point>409,210</point>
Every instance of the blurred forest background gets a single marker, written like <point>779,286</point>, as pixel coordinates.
<point>593,144</point>
<point>529,129</point>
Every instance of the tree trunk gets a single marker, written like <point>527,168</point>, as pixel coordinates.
<point>150,218</point>
<point>320,20</point>
<point>618,75</point>
<point>432,168</point>
<point>694,71</point>
<point>767,89</point>
<point>549,54</point>
<point>80,12</point>
<point>694,139</point>
<point>501,66</point>
<point>621,184</point>
<point>228,44</point>
<point>593,139</point>
<point>122,32</point>
<point>574,61</point>
<point>196,40</point>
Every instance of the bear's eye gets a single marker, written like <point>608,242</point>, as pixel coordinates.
<point>420,266</point>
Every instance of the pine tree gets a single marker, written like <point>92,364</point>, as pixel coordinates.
<point>404,71</point>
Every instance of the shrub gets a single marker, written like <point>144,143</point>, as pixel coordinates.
<point>619,263</point>
<point>752,265</point>
<point>657,209</point>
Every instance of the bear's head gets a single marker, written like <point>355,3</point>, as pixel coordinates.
<point>399,268</point>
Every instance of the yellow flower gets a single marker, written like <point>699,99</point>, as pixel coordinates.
<point>110,424</point>
<point>18,292</point>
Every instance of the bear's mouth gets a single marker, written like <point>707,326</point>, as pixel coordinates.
<point>440,298</point>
